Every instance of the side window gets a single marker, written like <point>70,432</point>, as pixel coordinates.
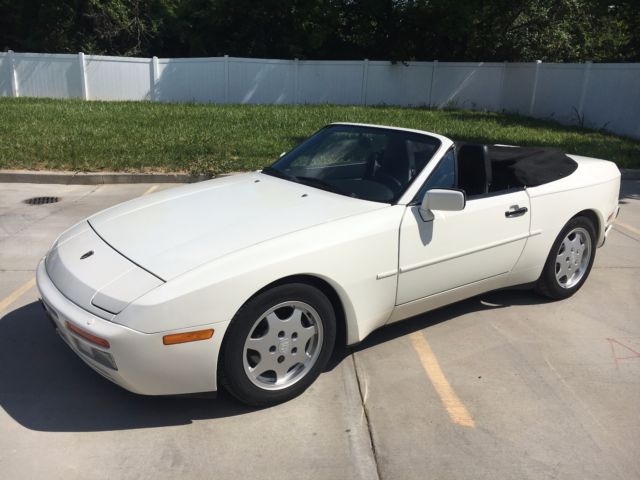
<point>444,175</point>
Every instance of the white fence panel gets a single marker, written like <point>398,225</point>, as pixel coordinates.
<point>558,92</point>
<point>517,87</point>
<point>118,78</point>
<point>398,84</point>
<point>261,81</point>
<point>612,99</point>
<point>48,75</point>
<point>5,75</point>
<point>467,85</point>
<point>330,82</point>
<point>603,95</point>
<point>190,80</point>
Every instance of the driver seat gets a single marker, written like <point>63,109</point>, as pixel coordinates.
<point>392,167</point>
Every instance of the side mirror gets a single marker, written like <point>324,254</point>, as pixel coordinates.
<point>282,154</point>
<point>441,199</point>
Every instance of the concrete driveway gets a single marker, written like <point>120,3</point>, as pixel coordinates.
<point>505,385</point>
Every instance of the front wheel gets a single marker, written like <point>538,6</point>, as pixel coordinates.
<point>570,260</point>
<point>277,344</point>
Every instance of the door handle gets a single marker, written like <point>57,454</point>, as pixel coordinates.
<point>516,211</point>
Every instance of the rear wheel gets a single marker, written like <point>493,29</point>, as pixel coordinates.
<point>570,260</point>
<point>277,344</point>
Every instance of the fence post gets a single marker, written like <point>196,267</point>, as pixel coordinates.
<point>433,81</point>
<point>226,79</point>
<point>83,76</point>
<point>296,80</point>
<point>155,73</point>
<point>585,84</point>
<point>534,90</point>
<point>363,87</point>
<point>14,75</point>
<point>504,71</point>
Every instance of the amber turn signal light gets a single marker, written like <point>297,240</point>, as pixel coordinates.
<point>88,336</point>
<point>187,337</point>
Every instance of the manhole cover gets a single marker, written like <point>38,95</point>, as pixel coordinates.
<point>41,200</point>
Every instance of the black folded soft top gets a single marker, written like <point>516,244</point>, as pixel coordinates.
<point>530,166</point>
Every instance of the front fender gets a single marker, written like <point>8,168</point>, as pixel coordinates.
<point>349,254</point>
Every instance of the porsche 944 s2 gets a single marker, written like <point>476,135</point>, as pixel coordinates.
<point>244,281</point>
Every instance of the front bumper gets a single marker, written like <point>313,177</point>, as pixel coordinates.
<point>141,362</point>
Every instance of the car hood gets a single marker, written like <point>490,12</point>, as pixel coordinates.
<point>173,231</point>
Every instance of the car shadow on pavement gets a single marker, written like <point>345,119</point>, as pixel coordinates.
<point>45,386</point>
<point>487,301</point>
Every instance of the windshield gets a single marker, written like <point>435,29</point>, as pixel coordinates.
<point>374,164</point>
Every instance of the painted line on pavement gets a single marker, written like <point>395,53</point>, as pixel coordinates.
<point>455,408</point>
<point>16,294</point>
<point>627,227</point>
<point>151,189</point>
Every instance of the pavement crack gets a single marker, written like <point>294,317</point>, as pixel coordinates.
<point>363,401</point>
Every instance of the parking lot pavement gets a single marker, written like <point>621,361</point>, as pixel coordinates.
<point>505,385</point>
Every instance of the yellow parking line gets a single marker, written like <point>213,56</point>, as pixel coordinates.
<point>627,227</point>
<point>455,408</point>
<point>16,294</point>
<point>151,189</point>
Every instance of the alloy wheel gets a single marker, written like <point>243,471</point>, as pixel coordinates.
<point>282,346</point>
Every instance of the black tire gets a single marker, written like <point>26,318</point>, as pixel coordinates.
<point>548,285</point>
<point>231,370</point>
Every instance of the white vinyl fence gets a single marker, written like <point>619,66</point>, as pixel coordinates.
<point>594,95</point>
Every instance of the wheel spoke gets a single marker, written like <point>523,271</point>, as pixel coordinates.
<point>260,345</point>
<point>576,244</point>
<point>267,363</point>
<point>562,271</point>
<point>282,369</point>
<point>273,321</point>
<point>571,247</point>
<point>304,335</point>
<point>295,320</point>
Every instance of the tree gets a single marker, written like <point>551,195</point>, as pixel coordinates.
<point>550,30</point>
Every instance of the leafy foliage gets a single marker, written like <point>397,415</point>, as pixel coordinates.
<point>549,30</point>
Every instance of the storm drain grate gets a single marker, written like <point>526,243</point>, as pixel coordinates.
<point>41,200</point>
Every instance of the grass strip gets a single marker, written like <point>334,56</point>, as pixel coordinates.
<point>143,136</point>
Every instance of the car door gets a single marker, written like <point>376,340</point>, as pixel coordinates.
<point>454,249</point>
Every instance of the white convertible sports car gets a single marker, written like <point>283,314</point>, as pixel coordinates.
<point>243,281</point>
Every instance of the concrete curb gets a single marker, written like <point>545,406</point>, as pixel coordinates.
<point>79,178</point>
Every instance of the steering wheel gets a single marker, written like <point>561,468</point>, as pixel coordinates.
<point>388,180</point>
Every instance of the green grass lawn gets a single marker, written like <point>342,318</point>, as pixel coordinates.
<point>142,136</point>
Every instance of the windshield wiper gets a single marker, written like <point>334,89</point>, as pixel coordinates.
<point>322,185</point>
<point>310,181</point>
<point>274,172</point>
